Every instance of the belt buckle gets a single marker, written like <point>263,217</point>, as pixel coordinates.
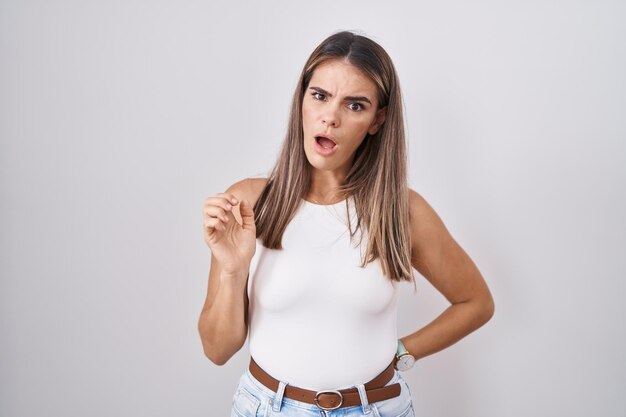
<point>329,392</point>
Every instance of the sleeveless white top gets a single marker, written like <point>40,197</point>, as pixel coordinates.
<point>317,320</point>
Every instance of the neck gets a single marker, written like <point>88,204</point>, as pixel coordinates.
<point>324,186</point>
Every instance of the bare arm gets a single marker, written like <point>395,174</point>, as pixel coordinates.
<point>223,323</point>
<point>440,259</point>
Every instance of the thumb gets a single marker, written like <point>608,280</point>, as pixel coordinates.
<point>247,215</point>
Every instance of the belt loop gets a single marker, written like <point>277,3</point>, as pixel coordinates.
<point>364,402</point>
<point>278,399</point>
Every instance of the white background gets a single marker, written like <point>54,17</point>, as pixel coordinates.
<point>118,118</point>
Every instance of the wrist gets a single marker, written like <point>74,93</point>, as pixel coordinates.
<point>404,360</point>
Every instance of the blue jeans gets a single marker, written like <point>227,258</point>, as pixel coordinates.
<point>253,399</point>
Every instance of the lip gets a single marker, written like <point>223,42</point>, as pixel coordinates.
<point>320,149</point>
<point>327,136</point>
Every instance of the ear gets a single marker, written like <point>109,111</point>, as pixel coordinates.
<point>379,119</point>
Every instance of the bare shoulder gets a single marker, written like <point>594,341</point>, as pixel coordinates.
<point>420,211</point>
<point>428,232</point>
<point>438,256</point>
<point>256,187</point>
<point>246,189</point>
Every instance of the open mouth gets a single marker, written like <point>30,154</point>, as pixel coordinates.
<point>325,142</point>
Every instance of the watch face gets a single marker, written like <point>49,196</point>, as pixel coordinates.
<point>405,362</point>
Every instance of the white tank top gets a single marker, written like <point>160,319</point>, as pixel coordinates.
<point>317,319</point>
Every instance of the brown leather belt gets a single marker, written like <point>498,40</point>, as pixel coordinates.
<point>331,399</point>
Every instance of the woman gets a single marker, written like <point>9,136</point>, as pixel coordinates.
<point>309,259</point>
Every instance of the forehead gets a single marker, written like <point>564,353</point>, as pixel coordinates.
<point>341,77</point>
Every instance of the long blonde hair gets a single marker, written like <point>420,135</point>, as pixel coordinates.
<point>377,180</point>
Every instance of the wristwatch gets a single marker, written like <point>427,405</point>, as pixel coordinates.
<point>405,359</point>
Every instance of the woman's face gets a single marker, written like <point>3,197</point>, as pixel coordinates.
<point>341,103</point>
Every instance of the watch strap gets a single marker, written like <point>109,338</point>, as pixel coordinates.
<point>401,349</point>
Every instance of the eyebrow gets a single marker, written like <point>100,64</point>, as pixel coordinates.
<point>349,98</point>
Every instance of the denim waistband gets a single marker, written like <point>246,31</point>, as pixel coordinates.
<point>250,381</point>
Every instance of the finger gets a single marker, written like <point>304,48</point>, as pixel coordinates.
<point>221,204</point>
<point>247,215</point>
<point>226,197</point>
<point>217,212</point>
<point>217,202</point>
<point>214,223</point>
<point>218,216</point>
<point>230,197</point>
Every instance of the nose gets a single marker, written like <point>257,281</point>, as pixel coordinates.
<point>331,123</point>
<point>331,118</point>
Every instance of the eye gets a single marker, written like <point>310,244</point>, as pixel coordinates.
<point>359,108</point>
<point>315,95</point>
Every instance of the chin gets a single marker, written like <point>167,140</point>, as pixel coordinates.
<point>320,162</point>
